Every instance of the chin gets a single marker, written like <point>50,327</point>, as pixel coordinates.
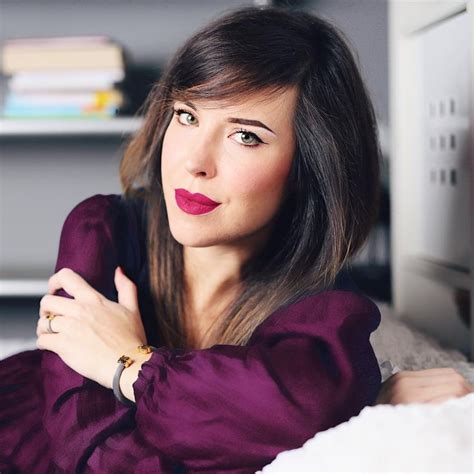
<point>195,242</point>
<point>189,237</point>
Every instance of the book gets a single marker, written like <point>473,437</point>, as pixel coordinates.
<point>56,41</point>
<point>72,80</point>
<point>50,59</point>
<point>58,111</point>
<point>92,98</point>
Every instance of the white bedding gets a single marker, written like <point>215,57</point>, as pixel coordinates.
<point>390,438</point>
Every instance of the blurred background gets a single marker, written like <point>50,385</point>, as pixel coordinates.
<point>73,75</point>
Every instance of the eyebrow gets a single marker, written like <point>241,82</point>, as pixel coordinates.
<point>255,123</point>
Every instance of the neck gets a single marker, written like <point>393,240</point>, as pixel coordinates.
<point>211,274</point>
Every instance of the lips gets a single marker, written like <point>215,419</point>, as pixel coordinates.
<point>194,203</point>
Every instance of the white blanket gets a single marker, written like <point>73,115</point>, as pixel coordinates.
<point>387,438</point>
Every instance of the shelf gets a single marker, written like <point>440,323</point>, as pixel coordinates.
<point>10,128</point>
<point>23,287</point>
<point>441,272</point>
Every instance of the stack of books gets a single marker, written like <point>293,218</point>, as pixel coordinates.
<point>63,77</point>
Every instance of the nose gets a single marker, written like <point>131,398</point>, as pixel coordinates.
<point>201,156</point>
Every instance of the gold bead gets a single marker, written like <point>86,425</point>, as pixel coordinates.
<point>144,349</point>
<point>127,361</point>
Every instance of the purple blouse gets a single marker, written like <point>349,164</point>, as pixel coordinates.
<point>308,367</point>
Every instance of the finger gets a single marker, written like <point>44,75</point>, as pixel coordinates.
<point>441,399</point>
<point>437,380</point>
<point>443,390</point>
<point>127,291</point>
<point>72,283</point>
<point>448,376</point>
<point>428,376</point>
<point>57,325</point>
<point>429,372</point>
<point>50,342</point>
<point>58,305</point>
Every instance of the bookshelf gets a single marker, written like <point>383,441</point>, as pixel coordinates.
<point>119,126</point>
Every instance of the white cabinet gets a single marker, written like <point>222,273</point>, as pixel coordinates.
<point>431,102</point>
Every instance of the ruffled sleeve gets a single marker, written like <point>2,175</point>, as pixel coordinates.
<point>309,367</point>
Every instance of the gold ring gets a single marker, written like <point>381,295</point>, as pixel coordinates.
<point>50,316</point>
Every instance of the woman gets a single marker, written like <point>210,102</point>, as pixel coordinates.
<point>251,183</point>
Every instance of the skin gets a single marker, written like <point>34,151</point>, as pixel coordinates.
<point>92,332</point>
<point>423,386</point>
<point>202,152</point>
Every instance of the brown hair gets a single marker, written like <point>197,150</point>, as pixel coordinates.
<point>333,186</point>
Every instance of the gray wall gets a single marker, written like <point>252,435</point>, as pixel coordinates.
<point>41,180</point>
<point>151,30</point>
<point>365,23</point>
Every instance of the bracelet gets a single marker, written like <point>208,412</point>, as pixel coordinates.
<point>123,362</point>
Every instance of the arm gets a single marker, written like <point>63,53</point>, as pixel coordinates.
<point>307,368</point>
<point>87,246</point>
<point>78,410</point>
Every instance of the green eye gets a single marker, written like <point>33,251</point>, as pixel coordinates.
<point>189,117</point>
<point>247,138</point>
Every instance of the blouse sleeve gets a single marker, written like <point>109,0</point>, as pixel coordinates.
<point>78,412</point>
<point>309,367</point>
<point>88,243</point>
<point>88,247</point>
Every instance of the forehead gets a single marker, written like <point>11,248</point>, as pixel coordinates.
<point>282,101</point>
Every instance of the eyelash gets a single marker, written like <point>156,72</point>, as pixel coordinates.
<point>178,112</point>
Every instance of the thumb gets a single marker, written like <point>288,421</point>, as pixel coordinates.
<point>127,290</point>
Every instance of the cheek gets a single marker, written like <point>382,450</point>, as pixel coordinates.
<point>169,147</point>
<point>263,185</point>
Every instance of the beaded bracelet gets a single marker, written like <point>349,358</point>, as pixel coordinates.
<point>123,362</point>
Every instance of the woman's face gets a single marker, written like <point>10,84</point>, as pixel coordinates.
<point>239,156</point>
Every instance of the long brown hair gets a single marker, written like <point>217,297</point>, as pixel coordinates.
<point>333,187</point>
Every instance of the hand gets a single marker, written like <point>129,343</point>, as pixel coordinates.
<point>91,332</point>
<point>423,386</point>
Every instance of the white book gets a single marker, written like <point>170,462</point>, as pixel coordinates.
<point>75,80</point>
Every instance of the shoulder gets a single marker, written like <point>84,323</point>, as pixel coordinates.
<point>323,313</point>
<point>102,220</point>
<point>96,206</point>
<point>90,225</point>
<point>99,233</point>
<point>108,210</point>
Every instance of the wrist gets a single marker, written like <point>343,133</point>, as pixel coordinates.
<point>126,372</point>
<point>130,375</point>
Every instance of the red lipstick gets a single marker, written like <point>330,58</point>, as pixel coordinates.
<point>194,203</point>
